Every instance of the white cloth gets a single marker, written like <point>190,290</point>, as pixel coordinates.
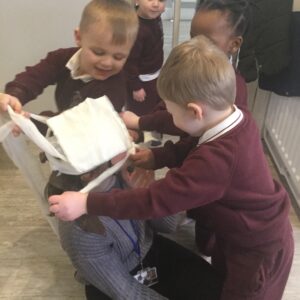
<point>74,66</point>
<point>84,137</point>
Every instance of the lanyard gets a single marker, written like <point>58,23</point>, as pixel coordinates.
<point>136,245</point>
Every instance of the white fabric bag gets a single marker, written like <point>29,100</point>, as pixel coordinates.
<point>84,137</point>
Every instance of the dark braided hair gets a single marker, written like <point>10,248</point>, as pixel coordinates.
<point>239,12</point>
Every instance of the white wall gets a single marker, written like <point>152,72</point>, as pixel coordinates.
<point>296,6</point>
<point>31,28</point>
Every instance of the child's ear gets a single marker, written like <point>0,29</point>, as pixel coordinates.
<point>77,37</point>
<point>196,110</point>
<point>235,44</point>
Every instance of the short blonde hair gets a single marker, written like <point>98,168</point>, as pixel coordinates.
<point>197,70</point>
<point>119,14</point>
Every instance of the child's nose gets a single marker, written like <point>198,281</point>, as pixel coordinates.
<point>107,61</point>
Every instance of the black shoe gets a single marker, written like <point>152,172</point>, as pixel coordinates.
<point>155,143</point>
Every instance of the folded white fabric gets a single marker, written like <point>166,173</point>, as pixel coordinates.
<point>80,138</point>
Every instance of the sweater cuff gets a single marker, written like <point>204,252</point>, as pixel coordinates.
<point>135,84</point>
<point>146,122</point>
<point>160,157</point>
<point>17,92</point>
<point>92,205</point>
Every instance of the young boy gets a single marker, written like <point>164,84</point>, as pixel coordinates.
<point>146,57</point>
<point>224,178</point>
<point>90,70</point>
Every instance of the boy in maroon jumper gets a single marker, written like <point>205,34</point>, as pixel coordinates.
<point>225,178</point>
<point>146,58</point>
<point>92,69</point>
<point>225,23</point>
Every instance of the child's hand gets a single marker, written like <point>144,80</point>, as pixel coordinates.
<point>143,158</point>
<point>16,105</point>
<point>136,135</point>
<point>68,206</point>
<point>138,178</point>
<point>130,119</point>
<point>6,100</point>
<point>139,95</point>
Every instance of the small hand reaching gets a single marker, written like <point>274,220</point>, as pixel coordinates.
<point>139,95</point>
<point>68,206</point>
<point>143,158</point>
<point>14,102</point>
<point>130,119</point>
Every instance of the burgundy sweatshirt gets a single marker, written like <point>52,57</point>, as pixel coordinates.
<point>146,56</point>
<point>227,179</point>
<point>52,70</point>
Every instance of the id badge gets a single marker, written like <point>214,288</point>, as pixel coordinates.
<point>147,276</point>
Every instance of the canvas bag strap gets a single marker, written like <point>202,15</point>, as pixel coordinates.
<point>5,130</point>
<point>110,171</point>
<point>30,130</point>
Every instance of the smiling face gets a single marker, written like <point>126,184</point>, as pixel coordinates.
<point>214,25</point>
<point>150,9</point>
<point>99,57</point>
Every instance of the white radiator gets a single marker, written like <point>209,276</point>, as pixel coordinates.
<point>282,135</point>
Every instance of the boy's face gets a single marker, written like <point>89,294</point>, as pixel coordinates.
<point>214,25</point>
<point>99,57</point>
<point>150,9</point>
<point>184,118</point>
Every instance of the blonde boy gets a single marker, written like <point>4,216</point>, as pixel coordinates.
<point>224,179</point>
<point>104,38</point>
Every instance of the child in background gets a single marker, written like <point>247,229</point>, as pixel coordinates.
<point>224,177</point>
<point>146,58</point>
<point>224,22</point>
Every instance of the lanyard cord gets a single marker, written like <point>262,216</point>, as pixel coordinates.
<point>136,245</point>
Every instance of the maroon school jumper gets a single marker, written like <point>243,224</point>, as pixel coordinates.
<point>52,70</point>
<point>146,57</point>
<point>227,180</point>
<point>161,120</point>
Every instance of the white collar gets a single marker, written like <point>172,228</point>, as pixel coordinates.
<point>73,66</point>
<point>230,122</point>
